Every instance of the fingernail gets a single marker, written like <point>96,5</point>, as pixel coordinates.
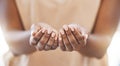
<point>33,33</point>
<point>53,34</point>
<point>49,31</point>
<point>65,27</point>
<point>72,29</point>
<point>47,48</point>
<point>56,38</point>
<point>39,31</point>
<point>83,33</point>
<point>86,36</point>
<point>43,30</point>
<point>60,38</point>
<point>61,31</point>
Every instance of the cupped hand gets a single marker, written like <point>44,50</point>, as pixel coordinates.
<point>72,37</point>
<point>43,37</point>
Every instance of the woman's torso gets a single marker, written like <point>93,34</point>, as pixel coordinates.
<point>57,13</point>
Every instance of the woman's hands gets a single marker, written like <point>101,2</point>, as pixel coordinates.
<point>71,37</point>
<point>43,37</point>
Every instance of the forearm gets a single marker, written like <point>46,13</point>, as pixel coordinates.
<point>18,42</point>
<point>96,45</point>
<point>106,24</point>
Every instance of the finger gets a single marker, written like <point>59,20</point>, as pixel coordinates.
<point>38,36</point>
<point>85,38</point>
<point>66,41</point>
<point>43,40</point>
<point>35,29</point>
<point>77,35</point>
<point>50,42</point>
<point>71,38</point>
<point>55,45</point>
<point>34,39</point>
<point>61,44</point>
<point>33,33</point>
<point>39,46</point>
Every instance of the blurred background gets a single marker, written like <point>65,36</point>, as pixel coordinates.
<point>113,50</point>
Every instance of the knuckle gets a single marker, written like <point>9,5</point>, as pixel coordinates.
<point>70,48</point>
<point>56,43</point>
<point>32,42</point>
<point>51,39</point>
<point>35,38</point>
<point>63,48</point>
<point>75,33</point>
<point>75,46</point>
<point>69,33</point>
<point>72,42</point>
<point>66,43</point>
<point>47,35</point>
<point>42,42</point>
<point>54,47</point>
<point>39,48</point>
<point>79,38</point>
<point>47,48</point>
<point>63,36</point>
<point>50,42</point>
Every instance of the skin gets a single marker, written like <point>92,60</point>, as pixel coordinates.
<point>72,37</point>
<point>104,29</point>
<point>69,40</point>
<point>43,37</point>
